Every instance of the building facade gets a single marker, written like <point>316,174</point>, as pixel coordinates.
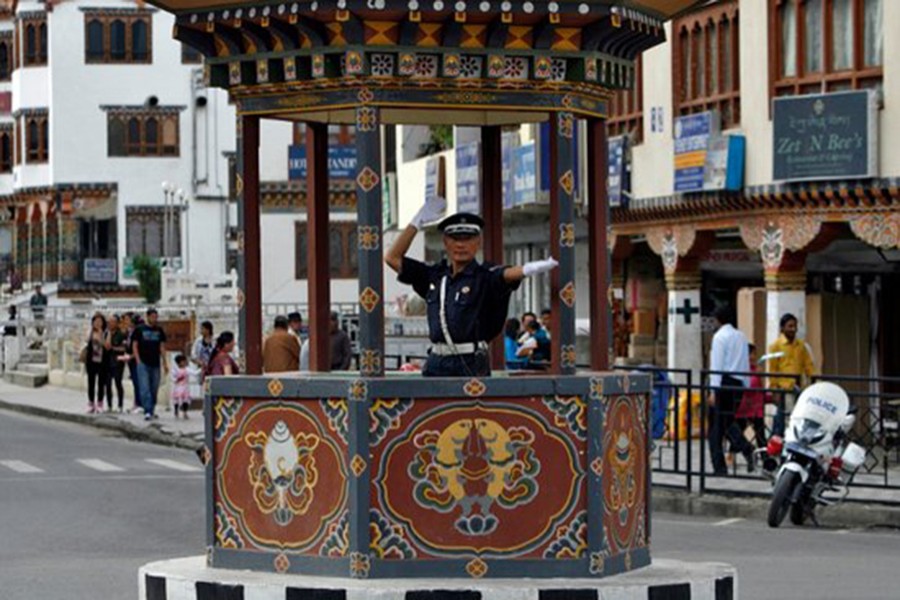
<point>99,108</point>
<point>751,163</point>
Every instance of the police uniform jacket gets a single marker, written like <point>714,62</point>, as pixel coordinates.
<point>477,299</point>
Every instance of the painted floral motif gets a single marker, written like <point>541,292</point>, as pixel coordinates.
<point>543,67</point>
<point>590,69</point>
<point>558,69</point>
<point>597,466</point>
<point>567,235</point>
<point>426,66</point>
<point>475,462</point>
<point>881,230</point>
<point>476,568</point>
<point>370,361</point>
<point>474,388</point>
<point>369,299</point>
<point>515,67</point>
<point>227,535</point>
<point>596,388</point>
<point>224,416</point>
<point>283,472</point>
<point>470,67</point>
<point>338,541</point>
<point>318,65</point>
<point>281,563</point>
<point>275,387</point>
<point>775,236</point>
<point>571,541</point>
<point>358,390</point>
<point>358,465</point>
<point>382,65</point>
<point>262,71</point>
<point>567,357</point>
<point>369,237</point>
<point>598,563</point>
<point>366,120</point>
<point>669,252</point>
<point>570,412</point>
<point>290,69</point>
<point>359,565</point>
<point>771,249</point>
<point>670,243</point>
<point>385,415</point>
<point>452,65</point>
<point>234,73</point>
<point>567,126</point>
<point>367,179</point>
<point>496,66</point>
<point>338,416</point>
<point>387,540</point>
<point>567,294</point>
<point>407,64</point>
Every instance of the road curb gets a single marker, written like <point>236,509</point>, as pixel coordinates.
<point>847,515</point>
<point>151,434</point>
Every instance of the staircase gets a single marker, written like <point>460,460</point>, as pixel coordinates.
<point>32,371</point>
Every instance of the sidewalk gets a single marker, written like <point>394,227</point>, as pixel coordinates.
<point>71,405</point>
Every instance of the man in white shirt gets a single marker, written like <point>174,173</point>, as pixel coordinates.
<point>729,363</point>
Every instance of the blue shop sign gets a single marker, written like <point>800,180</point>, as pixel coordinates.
<point>101,270</point>
<point>692,135</point>
<point>524,182</point>
<point>468,178</point>
<point>341,162</point>
<point>618,181</point>
<point>825,136</point>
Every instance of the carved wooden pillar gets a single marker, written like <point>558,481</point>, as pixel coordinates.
<point>249,255</point>
<point>562,241</point>
<point>318,266</point>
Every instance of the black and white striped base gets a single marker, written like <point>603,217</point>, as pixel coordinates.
<point>190,579</point>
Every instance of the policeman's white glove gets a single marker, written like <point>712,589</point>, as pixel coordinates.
<point>539,266</point>
<point>433,209</point>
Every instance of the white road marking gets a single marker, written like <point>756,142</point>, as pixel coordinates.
<point>20,467</point>
<point>100,465</point>
<point>727,522</point>
<point>174,465</point>
<point>841,531</point>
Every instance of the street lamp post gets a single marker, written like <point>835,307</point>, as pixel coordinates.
<point>167,191</point>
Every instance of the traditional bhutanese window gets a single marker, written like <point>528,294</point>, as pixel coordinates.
<point>144,231</point>
<point>37,136</point>
<point>6,148</point>
<point>825,45</point>
<point>706,62</point>
<point>118,36</point>
<point>626,109</point>
<point>6,55</point>
<point>34,31</point>
<point>139,131</point>
<point>342,250</point>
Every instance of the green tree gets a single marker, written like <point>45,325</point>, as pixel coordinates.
<point>148,275</point>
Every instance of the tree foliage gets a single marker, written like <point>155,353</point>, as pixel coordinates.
<point>147,272</point>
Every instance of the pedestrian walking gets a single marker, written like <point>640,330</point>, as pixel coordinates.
<point>295,325</point>
<point>221,363</point>
<point>181,386</point>
<point>149,350</point>
<point>281,350</point>
<point>729,362</point>
<point>38,303</point>
<point>511,345</point>
<point>339,345</point>
<point>96,363</point>
<point>204,345</point>
<point>790,357</point>
<point>117,349</point>
<point>132,321</point>
<point>467,301</point>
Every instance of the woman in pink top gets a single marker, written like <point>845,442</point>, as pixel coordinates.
<point>751,409</point>
<point>221,363</point>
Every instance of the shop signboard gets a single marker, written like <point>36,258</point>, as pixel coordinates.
<point>825,136</point>
<point>524,182</point>
<point>100,270</point>
<point>724,167</point>
<point>341,162</point>
<point>468,178</point>
<point>692,137</point>
<point>618,181</point>
<point>510,142</point>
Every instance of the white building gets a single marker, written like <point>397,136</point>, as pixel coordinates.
<point>99,108</point>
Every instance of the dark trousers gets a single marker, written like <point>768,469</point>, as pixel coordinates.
<point>98,381</point>
<point>722,423</point>
<point>136,384</point>
<point>460,365</point>
<point>116,370</point>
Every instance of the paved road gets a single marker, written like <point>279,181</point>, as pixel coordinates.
<point>81,511</point>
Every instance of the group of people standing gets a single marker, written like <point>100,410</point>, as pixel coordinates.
<point>139,342</point>
<point>527,342</point>
<point>286,349</point>
<point>738,391</point>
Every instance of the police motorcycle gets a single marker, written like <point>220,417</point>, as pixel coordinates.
<point>815,456</point>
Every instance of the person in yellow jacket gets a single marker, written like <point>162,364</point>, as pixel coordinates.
<point>790,356</point>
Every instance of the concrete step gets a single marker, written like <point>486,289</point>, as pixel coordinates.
<point>36,368</point>
<point>26,379</point>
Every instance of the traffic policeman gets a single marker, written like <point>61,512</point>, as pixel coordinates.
<point>467,301</point>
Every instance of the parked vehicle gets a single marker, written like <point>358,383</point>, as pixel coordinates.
<point>816,456</point>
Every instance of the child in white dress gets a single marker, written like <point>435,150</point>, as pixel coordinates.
<point>181,390</point>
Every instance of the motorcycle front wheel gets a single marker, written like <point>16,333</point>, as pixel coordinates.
<point>781,497</point>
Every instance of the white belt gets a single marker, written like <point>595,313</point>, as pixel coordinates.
<point>448,350</point>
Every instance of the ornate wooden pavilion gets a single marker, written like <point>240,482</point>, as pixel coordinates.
<point>374,476</point>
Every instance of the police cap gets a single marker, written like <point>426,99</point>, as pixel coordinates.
<point>462,224</point>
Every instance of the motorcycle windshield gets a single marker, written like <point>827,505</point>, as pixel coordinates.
<point>807,431</point>
<point>829,413</point>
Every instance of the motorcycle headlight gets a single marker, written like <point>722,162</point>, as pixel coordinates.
<point>808,431</point>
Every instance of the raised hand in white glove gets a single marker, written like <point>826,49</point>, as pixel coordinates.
<point>539,266</point>
<point>433,209</point>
